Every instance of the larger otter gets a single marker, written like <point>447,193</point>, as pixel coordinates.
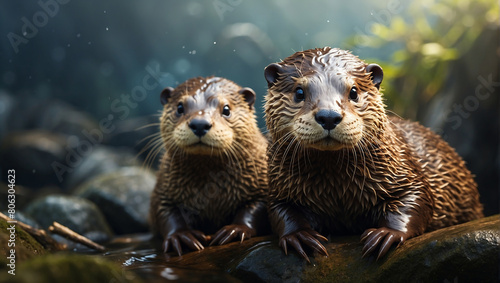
<point>214,171</point>
<point>338,164</point>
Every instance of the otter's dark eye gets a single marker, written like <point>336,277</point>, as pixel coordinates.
<point>180,109</point>
<point>353,94</point>
<point>226,111</point>
<point>299,95</point>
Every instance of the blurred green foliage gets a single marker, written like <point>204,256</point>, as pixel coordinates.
<point>432,35</point>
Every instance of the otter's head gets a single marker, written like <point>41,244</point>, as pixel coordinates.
<point>327,99</point>
<point>206,116</point>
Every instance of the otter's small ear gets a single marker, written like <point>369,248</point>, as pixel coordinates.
<point>165,95</point>
<point>271,72</point>
<point>377,74</point>
<point>248,95</point>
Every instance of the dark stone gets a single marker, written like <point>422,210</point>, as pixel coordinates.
<point>76,213</point>
<point>141,134</point>
<point>267,263</point>
<point>31,154</point>
<point>123,197</point>
<point>100,160</point>
<point>59,117</point>
<point>69,268</point>
<point>7,105</point>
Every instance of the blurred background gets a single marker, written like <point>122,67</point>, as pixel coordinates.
<point>79,79</point>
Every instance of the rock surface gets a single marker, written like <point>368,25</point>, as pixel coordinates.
<point>69,268</point>
<point>123,197</point>
<point>465,253</point>
<point>99,160</point>
<point>78,214</point>
<point>25,246</point>
<point>31,154</point>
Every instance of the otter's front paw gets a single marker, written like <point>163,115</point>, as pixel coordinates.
<point>190,238</point>
<point>229,232</point>
<point>308,237</point>
<point>381,239</point>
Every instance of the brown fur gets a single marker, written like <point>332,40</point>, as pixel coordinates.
<point>203,187</point>
<point>371,172</point>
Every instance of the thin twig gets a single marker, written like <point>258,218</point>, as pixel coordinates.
<point>69,234</point>
<point>39,234</point>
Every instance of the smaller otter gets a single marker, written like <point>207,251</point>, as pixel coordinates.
<point>338,164</point>
<point>214,170</point>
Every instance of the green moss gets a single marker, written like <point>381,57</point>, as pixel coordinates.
<point>467,252</point>
<point>26,246</point>
<point>69,268</point>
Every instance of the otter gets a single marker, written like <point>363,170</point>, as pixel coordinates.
<point>338,164</point>
<point>214,169</point>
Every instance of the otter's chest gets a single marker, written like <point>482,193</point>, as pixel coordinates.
<point>329,186</point>
<point>206,191</point>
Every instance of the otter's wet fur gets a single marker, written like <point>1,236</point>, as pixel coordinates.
<point>339,165</point>
<point>214,170</point>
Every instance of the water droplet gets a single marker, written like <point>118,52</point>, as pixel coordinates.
<point>183,47</point>
<point>327,21</point>
<point>234,50</point>
<point>69,45</point>
<point>78,35</point>
<point>306,33</point>
<point>104,11</point>
<point>89,43</point>
<point>107,28</point>
<point>215,42</point>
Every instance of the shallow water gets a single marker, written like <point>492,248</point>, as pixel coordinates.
<point>141,254</point>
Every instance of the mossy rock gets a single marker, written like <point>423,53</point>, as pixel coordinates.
<point>467,252</point>
<point>73,268</point>
<point>26,246</point>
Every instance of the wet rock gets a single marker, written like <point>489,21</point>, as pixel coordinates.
<point>59,117</point>
<point>31,154</point>
<point>25,246</point>
<point>267,263</point>
<point>465,253</point>
<point>140,134</point>
<point>123,197</point>
<point>7,105</point>
<point>76,213</point>
<point>69,268</point>
<point>99,160</point>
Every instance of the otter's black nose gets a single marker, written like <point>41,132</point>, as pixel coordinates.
<point>328,119</point>
<point>200,126</point>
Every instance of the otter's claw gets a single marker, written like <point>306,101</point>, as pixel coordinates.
<point>381,239</point>
<point>190,238</point>
<point>307,237</point>
<point>229,232</point>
